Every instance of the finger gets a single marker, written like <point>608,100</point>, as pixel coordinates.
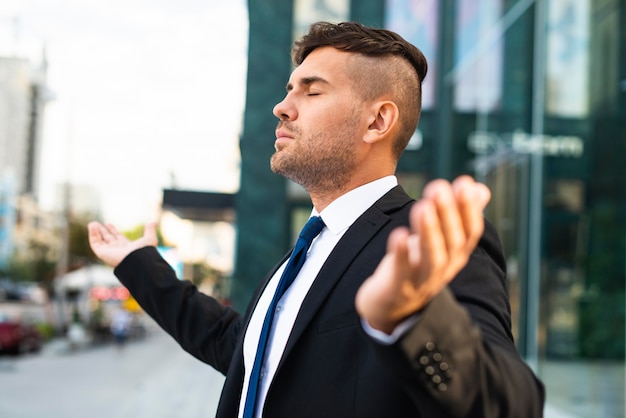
<point>94,232</point>
<point>472,198</point>
<point>396,240</point>
<point>150,234</point>
<point>112,230</point>
<point>398,250</point>
<point>466,188</point>
<point>433,252</point>
<point>440,192</point>
<point>103,232</point>
<point>385,275</point>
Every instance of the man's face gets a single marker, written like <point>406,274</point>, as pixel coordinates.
<point>321,123</point>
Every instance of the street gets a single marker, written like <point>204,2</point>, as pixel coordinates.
<point>152,377</point>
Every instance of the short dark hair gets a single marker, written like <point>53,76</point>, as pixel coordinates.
<point>354,37</point>
<point>374,43</point>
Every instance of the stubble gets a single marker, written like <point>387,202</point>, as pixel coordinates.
<point>321,163</point>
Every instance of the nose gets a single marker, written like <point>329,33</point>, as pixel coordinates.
<point>284,110</point>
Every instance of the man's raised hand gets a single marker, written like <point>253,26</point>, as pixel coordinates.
<point>110,246</point>
<point>445,227</point>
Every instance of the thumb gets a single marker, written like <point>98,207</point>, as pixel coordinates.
<point>150,233</point>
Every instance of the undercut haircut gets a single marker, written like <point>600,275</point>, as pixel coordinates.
<point>399,73</point>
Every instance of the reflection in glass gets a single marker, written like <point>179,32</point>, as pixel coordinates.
<point>417,21</point>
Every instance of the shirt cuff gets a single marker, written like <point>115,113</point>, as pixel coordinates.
<point>388,339</point>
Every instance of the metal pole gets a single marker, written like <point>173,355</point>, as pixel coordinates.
<point>535,204</point>
<point>63,262</point>
<point>445,58</point>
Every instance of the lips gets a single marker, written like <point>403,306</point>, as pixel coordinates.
<point>283,134</point>
<point>282,138</point>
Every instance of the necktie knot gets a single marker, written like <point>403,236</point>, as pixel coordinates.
<point>312,229</point>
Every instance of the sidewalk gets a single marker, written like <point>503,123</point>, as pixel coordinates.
<point>577,389</point>
<point>154,378</point>
<point>148,378</point>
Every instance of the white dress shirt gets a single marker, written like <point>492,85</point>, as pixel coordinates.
<point>338,217</point>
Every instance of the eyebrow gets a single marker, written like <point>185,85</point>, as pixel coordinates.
<point>307,81</point>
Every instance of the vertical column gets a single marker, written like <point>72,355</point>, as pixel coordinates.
<point>536,187</point>
<point>262,219</point>
<point>445,89</point>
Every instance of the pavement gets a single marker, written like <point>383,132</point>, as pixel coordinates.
<point>584,389</point>
<point>155,378</point>
<point>148,378</point>
<point>184,387</point>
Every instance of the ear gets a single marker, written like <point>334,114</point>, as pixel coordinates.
<point>384,119</point>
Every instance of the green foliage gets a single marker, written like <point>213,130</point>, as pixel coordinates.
<point>45,329</point>
<point>79,250</point>
<point>602,310</point>
<point>137,232</point>
<point>37,269</point>
<point>39,264</point>
<point>602,326</point>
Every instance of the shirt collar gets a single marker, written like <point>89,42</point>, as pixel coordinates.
<point>344,210</point>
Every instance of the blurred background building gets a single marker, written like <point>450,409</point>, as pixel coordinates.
<point>528,96</point>
<point>23,95</point>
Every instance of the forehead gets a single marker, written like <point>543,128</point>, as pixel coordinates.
<point>327,63</point>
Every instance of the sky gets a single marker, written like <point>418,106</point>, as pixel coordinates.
<point>144,95</point>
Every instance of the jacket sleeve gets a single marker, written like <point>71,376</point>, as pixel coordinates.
<point>461,350</point>
<point>199,323</point>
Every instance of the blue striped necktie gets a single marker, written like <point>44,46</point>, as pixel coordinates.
<point>312,229</point>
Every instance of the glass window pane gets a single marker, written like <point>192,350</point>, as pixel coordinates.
<point>307,12</point>
<point>567,65</point>
<point>418,22</point>
<point>478,55</point>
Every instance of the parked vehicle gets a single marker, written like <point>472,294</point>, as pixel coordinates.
<point>10,290</point>
<point>17,337</point>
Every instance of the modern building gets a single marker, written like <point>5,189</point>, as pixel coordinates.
<point>8,198</point>
<point>23,94</point>
<point>529,97</point>
<point>36,233</point>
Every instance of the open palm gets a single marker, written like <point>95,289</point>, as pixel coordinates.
<point>111,246</point>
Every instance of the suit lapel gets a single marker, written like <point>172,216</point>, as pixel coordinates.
<point>256,296</point>
<point>356,237</point>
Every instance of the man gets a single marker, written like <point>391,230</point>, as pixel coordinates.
<point>400,309</point>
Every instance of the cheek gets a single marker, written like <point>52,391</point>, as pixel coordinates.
<point>329,121</point>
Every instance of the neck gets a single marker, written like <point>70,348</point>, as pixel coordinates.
<point>322,197</point>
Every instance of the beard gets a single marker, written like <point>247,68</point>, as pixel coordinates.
<point>320,163</point>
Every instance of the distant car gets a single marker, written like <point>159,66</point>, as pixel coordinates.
<point>9,290</point>
<point>17,337</point>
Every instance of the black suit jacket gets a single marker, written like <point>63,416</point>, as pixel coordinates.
<point>458,360</point>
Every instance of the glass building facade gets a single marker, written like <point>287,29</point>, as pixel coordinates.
<point>530,98</point>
